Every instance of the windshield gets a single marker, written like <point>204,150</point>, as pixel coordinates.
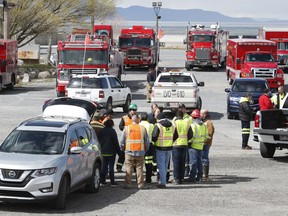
<point>175,78</point>
<point>249,86</point>
<point>137,42</point>
<point>34,142</point>
<point>202,38</point>
<point>282,46</point>
<point>77,57</point>
<point>260,57</point>
<point>87,82</point>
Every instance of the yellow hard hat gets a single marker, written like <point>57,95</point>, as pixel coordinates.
<point>89,59</point>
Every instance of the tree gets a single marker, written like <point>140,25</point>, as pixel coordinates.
<point>29,18</point>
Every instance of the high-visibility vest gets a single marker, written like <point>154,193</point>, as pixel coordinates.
<point>149,128</point>
<point>188,118</point>
<point>182,127</point>
<point>165,138</point>
<point>134,134</point>
<point>200,134</point>
<point>127,120</point>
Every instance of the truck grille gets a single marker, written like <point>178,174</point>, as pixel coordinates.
<point>202,53</point>
<point>264,72</point>
<point>134,52</point>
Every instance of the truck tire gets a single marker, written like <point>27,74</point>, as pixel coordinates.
<point>127,104</point>
<point>229,115</point>
<point>94,182</point>
<point>109,105</point>
<point>267,150</point>
<point>199,103</point>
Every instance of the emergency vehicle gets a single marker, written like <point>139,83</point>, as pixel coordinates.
<point>8,63</point>
<point>139,46</point>
<point>247,58</point>
<point>280,36</point>
<point>85,54</point>
<point>205,47</point>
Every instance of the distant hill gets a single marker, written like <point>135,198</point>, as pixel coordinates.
<point>137,13</point>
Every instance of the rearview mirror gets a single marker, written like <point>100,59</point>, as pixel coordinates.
<point>227,90</point>
<point>201,84</point>
<point>76,150</point>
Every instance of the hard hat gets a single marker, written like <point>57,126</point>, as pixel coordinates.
<point>133,107</point>
<point>195,114</point>
<point>89,59</point>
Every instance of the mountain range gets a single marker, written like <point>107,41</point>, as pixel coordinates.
<point>138,13</point>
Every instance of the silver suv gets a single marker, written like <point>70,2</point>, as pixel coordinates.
<point>47,157</point>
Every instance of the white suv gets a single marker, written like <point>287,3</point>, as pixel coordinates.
<point>104,89</point>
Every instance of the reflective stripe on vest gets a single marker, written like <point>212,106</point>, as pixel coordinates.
<point>134,137</point>
<point>149,128</point>
<point>200,134</point>
<point>165,138</point>
<point>127,120</point>
<point>182,127</point>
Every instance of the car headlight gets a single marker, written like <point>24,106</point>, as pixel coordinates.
<point>44,172</point>
<point>235,99</point>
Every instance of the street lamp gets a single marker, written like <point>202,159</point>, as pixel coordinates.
<point>157,6</point>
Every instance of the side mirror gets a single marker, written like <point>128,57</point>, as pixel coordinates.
<point>227,90</point>
<point>76,150</point>
<point>238,61</point>
<point>201,84</point>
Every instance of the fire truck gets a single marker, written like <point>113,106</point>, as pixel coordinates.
<point>248,58</point>
<point>205,47</point>
<point>76,56</point>
<point>8,63</point>
<point>280,36</point>
<point>139,46</point>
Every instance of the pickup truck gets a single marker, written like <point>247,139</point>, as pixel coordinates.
<point>271,129</point>
<point>174,87</point>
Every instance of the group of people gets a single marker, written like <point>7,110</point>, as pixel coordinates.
<point>265,102</point>
<point>151,139</point>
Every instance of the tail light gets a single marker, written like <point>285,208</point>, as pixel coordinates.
<point>101,94</point>
<point>256,122</point>
<point>66,93</point>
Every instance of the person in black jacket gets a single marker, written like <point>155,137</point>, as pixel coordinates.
<point>109,147</point>
<point>245,115</point>
<point>151,77</point>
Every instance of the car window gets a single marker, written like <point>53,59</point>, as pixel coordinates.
<point>34,142</point>
<point>87,82</point>
<point>83,138</point>
<point>176,78</point>
<point>73,139</point>
<point>249,86</point>
<point>115,83</point>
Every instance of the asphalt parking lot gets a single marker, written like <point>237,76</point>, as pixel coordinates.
<point>242,182</point>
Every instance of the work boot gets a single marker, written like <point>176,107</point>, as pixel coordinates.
<point>206,172</point>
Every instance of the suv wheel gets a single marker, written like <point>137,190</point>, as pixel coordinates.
<point>267,150</point>
<point>109,105</point>
<point>127,104</point>
<point>60,201</point>
<point>94,182</point>
<point>199,103</point>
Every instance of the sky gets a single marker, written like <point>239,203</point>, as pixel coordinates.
<point>277,9</point>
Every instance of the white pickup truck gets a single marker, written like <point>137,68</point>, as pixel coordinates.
<point>271,129</point>
<point>174,87</point>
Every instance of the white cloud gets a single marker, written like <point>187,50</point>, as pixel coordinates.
<point>233,8</point>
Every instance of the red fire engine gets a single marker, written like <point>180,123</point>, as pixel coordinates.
<point>8,63</point>
<point>280,36</point>
<point>205,47</point>
<point>253,58</point>
<point>139,46</point>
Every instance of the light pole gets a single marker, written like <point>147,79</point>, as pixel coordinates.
<point>157,6</point>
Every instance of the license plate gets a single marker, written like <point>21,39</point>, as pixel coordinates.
<point>283,137</point>
<point>173,104</point>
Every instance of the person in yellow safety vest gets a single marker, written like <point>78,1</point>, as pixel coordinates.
<point>125,121</point>
<point>278,98</point>
<point>163,136</point>
<point>210,127</point>
<point>187,117</point>
<point>135,142</point>
<point>180,147</point>
<point>149,153</point>
<point>200,135</point>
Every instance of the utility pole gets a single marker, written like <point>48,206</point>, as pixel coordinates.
<point>92,5</point>
<point>156,7</point>
<point>5,6</point>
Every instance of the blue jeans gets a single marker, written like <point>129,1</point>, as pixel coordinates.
<point>179,158</point>
<point>162,158</point>
<point>196,167</point>
<point>108,161</point>
<point>205,156</point>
